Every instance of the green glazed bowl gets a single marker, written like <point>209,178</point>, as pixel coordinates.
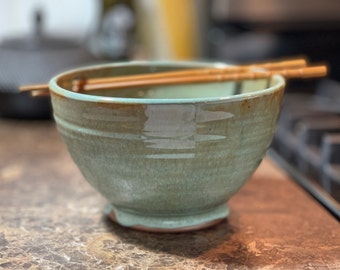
<point>167,158</point>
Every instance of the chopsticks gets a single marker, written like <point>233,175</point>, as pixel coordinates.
<point>295,68</point>
<point>296,63</point>
<point>307,72</point>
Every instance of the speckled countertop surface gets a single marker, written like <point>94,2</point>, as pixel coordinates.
<point>50,218</point>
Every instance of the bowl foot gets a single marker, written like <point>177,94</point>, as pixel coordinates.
<point>168,224</point>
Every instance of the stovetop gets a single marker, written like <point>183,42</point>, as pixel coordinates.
<point>307,142</point>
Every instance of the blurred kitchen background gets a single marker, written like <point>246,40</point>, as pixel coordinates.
<point>224,30</point>
<point>40,38</point>
<point>227,30</point>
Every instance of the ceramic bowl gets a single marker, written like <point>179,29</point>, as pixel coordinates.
<point>166,158</point>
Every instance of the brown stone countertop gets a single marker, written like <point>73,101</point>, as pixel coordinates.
<point>50,218</point>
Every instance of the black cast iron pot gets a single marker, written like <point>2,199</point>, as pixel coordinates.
<point>34,60</point>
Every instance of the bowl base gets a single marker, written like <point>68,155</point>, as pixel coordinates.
<point>168,224</point>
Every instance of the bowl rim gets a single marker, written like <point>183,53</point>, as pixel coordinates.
<point>55,88</point>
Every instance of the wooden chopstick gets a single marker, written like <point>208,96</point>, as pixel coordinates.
<point>295,63</point>
<point>295,68</point>
<point>33,87</point>
<point>307,72</point>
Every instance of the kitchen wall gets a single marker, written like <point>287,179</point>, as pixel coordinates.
<point>71,18</point>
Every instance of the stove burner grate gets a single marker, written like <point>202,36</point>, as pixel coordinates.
<point>307,142</point>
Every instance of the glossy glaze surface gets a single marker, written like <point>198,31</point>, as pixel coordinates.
<point>168,162</point>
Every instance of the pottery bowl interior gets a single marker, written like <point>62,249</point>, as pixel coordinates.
<point>170,156</point>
